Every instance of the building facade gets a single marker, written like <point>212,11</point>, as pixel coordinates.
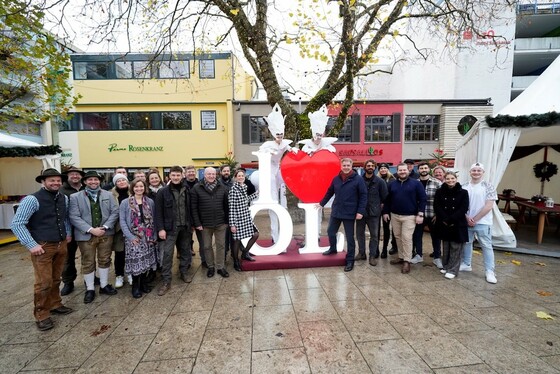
<point>140,111</point>
<point>388,131</point>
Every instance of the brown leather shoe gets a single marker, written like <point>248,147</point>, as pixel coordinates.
<point>185,278</point>
<point>360,257</point>
<point>62,310</point>
<point>396,261</point>
<point>372,261</point>
<point>163,289</point>
<point>45,324</point>
<point>405,267</point>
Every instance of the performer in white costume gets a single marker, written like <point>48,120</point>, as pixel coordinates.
<point>277,148</point>
<point>318,120</point>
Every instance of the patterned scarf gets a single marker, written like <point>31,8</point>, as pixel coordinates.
<point>92,194</point>
<point>139,228</point>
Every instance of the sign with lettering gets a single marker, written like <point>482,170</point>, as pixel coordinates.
<point>133,148</point>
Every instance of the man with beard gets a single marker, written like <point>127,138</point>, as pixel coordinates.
<point>349,205</point>
<point>69,272</point>
<point>41,225</point>
<point>406,203</point>
<point>225,179</point>
<point>410,166</point>
<point>94,213</point>
<point>376,195</point>
<point>431,185</point>
<point>173,221</point>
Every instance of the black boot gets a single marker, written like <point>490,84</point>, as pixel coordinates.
<point>245,250</point>
<point>384,253</point>
<point>136,293</point>
<point>235,255</point>
<point>150,276</point>
<point>144,286</point>
<point>246,256</point>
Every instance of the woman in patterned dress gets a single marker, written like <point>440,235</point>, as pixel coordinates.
<point>137,222</point>
<point>240,222</point>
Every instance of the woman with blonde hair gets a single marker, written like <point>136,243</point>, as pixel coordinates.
<point>385,174</point>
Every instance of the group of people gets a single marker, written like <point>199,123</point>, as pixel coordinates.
<point>408,202</point>
<point>142,221</point>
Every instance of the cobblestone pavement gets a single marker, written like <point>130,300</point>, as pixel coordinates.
<point>321,320</point>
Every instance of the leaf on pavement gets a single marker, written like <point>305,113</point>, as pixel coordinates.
<point>543,315</point>
<point>544,293</point>
<point>500,262</point>
<point>540,263</point>
<point>516,262</point>
<point>477,252</point>
<point>508,253</point>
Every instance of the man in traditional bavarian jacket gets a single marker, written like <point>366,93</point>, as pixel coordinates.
<point>94,213</point>
<point>41,225</point>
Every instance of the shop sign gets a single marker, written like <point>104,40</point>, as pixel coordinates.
<point>361,152</point>
<point>133,148</point>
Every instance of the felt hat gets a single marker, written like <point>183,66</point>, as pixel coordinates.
<point>74,169</point>
<point>90,174</point>
<point>408,161</point>
<point>50,173</point>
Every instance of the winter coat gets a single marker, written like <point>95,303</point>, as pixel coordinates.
<point>210,208</point>
<point>451,206</point>
<point>239,213</point>
<point>376,195</point>
<point>350,199</point>
<point>165,215</point>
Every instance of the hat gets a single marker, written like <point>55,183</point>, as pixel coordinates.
<point>116,177</point>
<point>50,173</point>
<point>383,165</point>
<point>92,173</point>
<point>477,165</point>
<point>73,169</point>
<point>408,161</point>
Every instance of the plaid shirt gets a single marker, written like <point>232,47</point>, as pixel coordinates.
<point>431,188</point>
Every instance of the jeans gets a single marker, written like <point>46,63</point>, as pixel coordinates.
<point>48,269</point>
<point>373,227</point>
<point>419,234</point>
<point>403,226</point>
<point>181,238</point>
<point>484,237</point>
<point>334,224</point>
<point>99,246</point>
<point>219,234</point>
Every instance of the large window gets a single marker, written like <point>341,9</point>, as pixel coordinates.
<point>94,121</point>
<point>176,120</point>
<point>350,131</point>
<point>91,70</point>
<point>135,121</point>
<point>421,128</point>
<point>378,128</point>
<point>258,130</point>
<point>174,69</point>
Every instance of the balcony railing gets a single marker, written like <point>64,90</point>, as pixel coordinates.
<point>538,8</point>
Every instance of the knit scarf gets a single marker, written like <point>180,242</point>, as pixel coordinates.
<point>92,194</point>
<point>344,177</point>
<point>139,228</point>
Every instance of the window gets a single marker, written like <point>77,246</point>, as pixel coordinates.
<point>174,69</point>
<point>123,69</point>
<point>206,69</point>
<point>258,130</point>
<point>421,128</point>
<point>350,131</point>
<point>91,70</point>
<point>135,121</point>
<point>141,69</point>
<point>378,128</point>
<point>177,120</point>
<point>94,121</point>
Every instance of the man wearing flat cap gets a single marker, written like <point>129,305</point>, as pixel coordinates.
<point>94,213</point>
<point>41,225</point>
<point>69,272</point>
<point>411,172</point>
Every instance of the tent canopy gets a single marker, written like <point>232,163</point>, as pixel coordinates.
<point>493,146</point>
<point>12,141</point>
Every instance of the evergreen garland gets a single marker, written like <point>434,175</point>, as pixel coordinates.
<point>545,170</point>
<point>30,152</point>
<point>539,120</point>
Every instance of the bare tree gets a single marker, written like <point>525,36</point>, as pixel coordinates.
<point>345,37</point>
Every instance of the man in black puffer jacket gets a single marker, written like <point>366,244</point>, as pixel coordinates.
<point>210,215</point>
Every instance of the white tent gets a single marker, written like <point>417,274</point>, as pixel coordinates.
<point>493,147</point>
<point>12,141</point>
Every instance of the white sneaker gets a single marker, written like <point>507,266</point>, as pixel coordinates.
<point>129,279</point>
<point>449,275</point>
<point>437,262</point>
<point>443,271</point>
<point>491,277</point>
<point>119,281</point>
<point>416,259</point>
<point>464,267</point>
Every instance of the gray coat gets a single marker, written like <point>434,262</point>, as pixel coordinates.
<point>80,214</point>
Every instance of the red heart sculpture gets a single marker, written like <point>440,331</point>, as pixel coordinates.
<point>309,177</point>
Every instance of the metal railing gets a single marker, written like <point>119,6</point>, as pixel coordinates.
<point>538,8</point>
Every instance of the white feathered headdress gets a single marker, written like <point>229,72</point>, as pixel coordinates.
<point>319,120</point>
<point>275,121</point>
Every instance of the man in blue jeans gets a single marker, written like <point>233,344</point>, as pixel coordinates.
<point>482,196</point>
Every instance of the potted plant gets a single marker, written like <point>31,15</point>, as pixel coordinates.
<point>539,200</point>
